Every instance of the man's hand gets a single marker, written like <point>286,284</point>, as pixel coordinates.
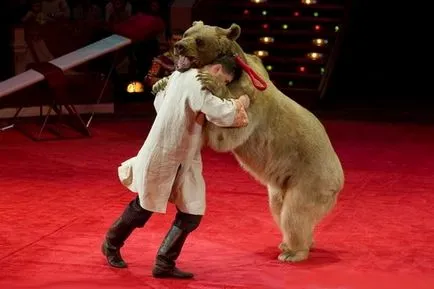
<point>160,85</point>
<point>211,83</point>
<point>245,100</point>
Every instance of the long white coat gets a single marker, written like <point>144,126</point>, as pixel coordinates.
<point>169,164</point>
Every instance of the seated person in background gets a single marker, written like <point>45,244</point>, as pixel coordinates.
<point>164,64</point>
<point>37,50</point>
<point>87,11</point>
<point>35,14</point>
<point>117,11</point>
<point>56,9</point>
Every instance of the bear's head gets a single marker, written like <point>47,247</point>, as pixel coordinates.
<point>202,44</point>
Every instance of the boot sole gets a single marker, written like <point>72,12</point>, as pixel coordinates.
<point>169,276</point>
<point>104,252</point>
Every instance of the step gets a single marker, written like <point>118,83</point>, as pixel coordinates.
<point>278,22</point>
<point>305,31</point>
<point>295,65</point>
<point>293,60</point>
<point>280,19</point>
<point>293,80</point>
<point>306,47</point>
<point>295,15</point>
<point>290,75</point>
<point>288,91</point>
<point>270,5</point>
<point>294,72</point>
<point>305,97</point>
<point>308,57</point>
<point>313,33</point>
<point>326,41</point>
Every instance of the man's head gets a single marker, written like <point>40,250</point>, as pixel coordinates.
<point>36,5</point>
<point>155,7</point>
<point>225,69</point>
<point>175,37</point>
<point>118,4</point>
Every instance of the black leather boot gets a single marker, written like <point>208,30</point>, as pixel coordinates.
<point>134,216</point>
<point>172,245</point>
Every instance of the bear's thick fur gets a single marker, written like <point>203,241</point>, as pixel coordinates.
<point>285,147</point>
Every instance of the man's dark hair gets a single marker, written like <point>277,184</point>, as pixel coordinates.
<point>177,32</point>
<point>229,65</point>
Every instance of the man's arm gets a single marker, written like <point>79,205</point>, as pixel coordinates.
<point>159,100</point>
<point>160,85</point>
<point>64,10</point>
<point>225,112</point>
<point>159,89</point>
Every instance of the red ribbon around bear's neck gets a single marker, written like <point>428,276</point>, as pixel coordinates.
<point>257,81</point>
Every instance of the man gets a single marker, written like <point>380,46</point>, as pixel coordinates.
<point>56,9</point>
<point>164,64</point>
<point>117,11</point>
<point>168,167</point>
<point>85,10</point>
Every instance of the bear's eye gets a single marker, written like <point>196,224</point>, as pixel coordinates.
<point>200,42</point>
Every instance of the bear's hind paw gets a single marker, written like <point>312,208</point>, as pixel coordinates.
<point>293,256</point>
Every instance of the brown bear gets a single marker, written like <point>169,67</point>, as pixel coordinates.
<point>285,147</point>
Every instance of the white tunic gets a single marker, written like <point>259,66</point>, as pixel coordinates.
<point>169,165</point>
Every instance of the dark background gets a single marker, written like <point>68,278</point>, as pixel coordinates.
<point>385,59</point>
<point>6,56</point>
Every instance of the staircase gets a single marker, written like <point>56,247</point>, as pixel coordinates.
<point>297,39</point>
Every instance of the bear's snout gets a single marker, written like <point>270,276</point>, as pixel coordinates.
<point>180,47</point>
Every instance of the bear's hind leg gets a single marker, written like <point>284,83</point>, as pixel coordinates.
<point>275,202</point>
<point>297,221</point>
<point>301,211</point>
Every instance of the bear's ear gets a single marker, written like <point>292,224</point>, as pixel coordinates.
<point>198,23</point>
<point>233,32</point>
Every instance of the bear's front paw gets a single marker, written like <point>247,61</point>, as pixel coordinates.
<point>160,85</point>
<point>211,83</point>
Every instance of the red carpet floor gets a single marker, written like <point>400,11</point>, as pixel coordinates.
<point>58,198</point>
